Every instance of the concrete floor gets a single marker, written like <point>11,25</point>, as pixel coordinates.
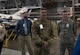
<point>6,51</point>
<point>13,48</point>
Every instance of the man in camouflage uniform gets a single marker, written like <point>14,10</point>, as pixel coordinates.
<point>66,32</point>
<point>42,34</point>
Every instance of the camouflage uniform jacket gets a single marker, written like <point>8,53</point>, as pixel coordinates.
<point>66,30</point>
<point>44,34</point>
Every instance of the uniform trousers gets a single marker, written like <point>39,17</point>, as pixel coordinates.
<point>66,45</point>
<point>26,40</point>
<point>41,51</point>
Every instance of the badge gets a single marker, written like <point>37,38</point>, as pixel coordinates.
<point>41,26</point>
<point>23,25</point>
<point>67,25</point>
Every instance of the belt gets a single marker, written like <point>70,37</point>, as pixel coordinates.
<point>26,34</point>
<point>23,35</point>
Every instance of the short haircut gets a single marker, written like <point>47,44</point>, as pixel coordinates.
<point>64,11</point>
<point>43,9</point>
<point>25,12</point>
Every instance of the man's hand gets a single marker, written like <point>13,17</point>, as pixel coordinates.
<point>45,45</point>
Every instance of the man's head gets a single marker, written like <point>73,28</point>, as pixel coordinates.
<point>64,14</point>
<point>25,14</point>
<point>43,13</point>
<point>10,17</point>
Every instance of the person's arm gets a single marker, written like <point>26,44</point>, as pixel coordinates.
<point>30,29</point>
<point>3,32</point>
<point>17,28</point>
<point>52,30</point>
<point>50,39</point>
<point>58,28</point>
<point>74,28</point>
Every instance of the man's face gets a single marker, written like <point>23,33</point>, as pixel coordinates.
<point>43,13</point>
<point>64,14</point>
<point>25,14</point>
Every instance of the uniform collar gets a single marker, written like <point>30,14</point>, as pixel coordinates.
<point>43,20</point>
<point>25,19</point>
